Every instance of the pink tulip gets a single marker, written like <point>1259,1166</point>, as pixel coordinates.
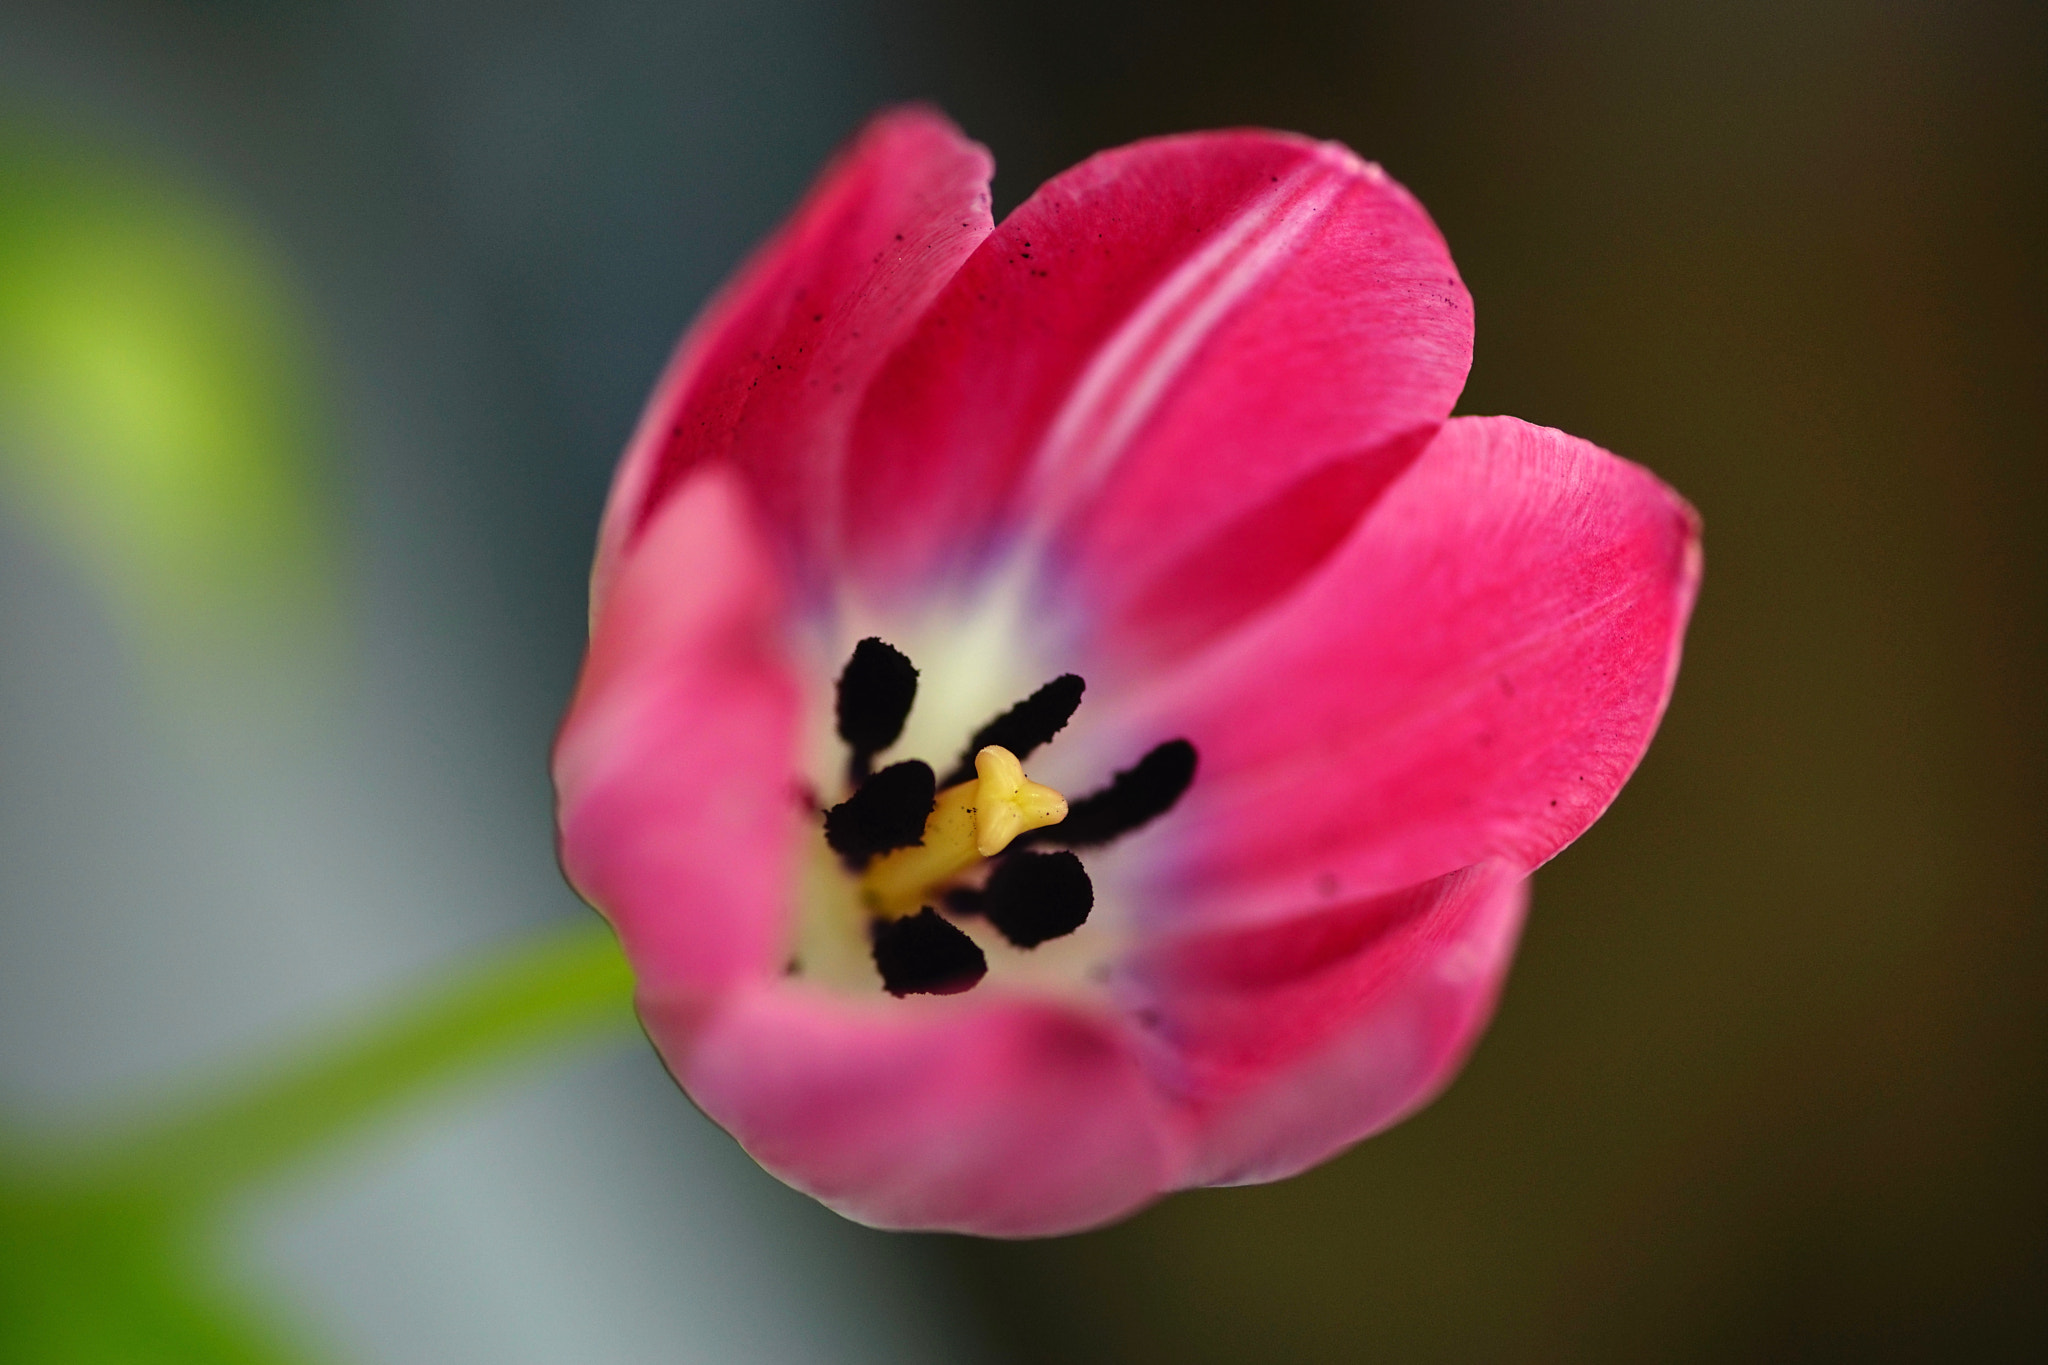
<point>1180,427</point>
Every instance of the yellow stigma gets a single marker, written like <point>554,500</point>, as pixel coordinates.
<point>1006,803</point>
<point>975,820</point>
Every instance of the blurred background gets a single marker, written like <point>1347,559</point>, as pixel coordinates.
<point>321,326</point>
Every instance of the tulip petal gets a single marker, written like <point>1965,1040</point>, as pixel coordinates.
<point>1471,677</point>
<point>1293,1040</point>
<point>1165,335</point>
<point>769,374</point>
<point>1002,1116</point>
<point>675,764</point>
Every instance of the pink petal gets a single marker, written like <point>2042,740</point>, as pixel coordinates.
<point>770,373</point>
<point>1472,677</point>
<point>1295,1040</point>
<point>978,1113</point>
<point>673,770</point>
<point>1144,623</point>
<point>1162,337</point>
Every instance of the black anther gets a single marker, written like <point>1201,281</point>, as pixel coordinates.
<point>1025,726</point>
<point>1032,897</point>
<point>887,812</point>
<point>1133,797</point>
<point>876,689</point>
<point>964,900</point>
<point>922,954</point>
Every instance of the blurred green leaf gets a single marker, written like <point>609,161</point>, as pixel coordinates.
<point>156,416</point>
<point>104,1254</point>
<point>99,1276</point>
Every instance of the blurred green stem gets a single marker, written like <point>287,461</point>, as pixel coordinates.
<point>561,986</point>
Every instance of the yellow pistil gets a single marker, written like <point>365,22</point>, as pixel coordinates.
<point>974,820</point>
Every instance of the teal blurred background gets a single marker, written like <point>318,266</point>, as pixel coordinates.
<point>320,327</point>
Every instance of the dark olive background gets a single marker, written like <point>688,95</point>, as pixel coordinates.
<point>1767,1082</point>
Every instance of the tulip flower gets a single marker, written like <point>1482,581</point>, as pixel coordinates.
<point>1069,715</point>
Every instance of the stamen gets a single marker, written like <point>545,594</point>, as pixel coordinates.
<point>875,692</point>
<point>1133,798</point>
<point>922,954</point>
<point>1032,897</point>
<point>1021,729</point>
<point>969,821</point>
<point>887,812</point>
<point>965,900</point>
